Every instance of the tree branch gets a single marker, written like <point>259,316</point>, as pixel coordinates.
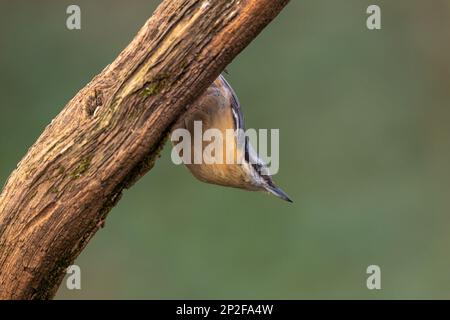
<point>110,133</point>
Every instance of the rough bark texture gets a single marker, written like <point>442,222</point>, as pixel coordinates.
<point>109,135</point>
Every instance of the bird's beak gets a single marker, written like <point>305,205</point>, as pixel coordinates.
<point>278,192</point>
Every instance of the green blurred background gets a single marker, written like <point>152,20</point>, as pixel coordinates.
<point>365,149</point>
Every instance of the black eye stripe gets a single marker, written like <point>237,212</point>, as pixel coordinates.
<point>257,166</point>
<point>247,155</point>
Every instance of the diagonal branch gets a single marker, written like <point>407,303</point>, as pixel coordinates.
<point>110,133</point>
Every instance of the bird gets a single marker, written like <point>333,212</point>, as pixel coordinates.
<point>219,108</point>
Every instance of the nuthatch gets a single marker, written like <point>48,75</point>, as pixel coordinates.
<point>218,108</point>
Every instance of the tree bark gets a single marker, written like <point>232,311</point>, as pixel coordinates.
<point>110,133</point>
